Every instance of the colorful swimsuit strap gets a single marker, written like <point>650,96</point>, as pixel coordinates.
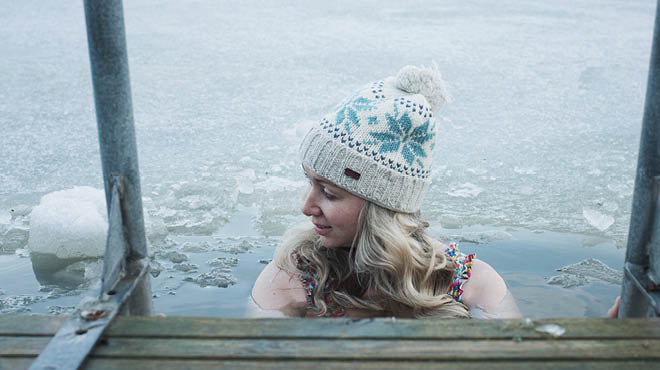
<point>463,263</point>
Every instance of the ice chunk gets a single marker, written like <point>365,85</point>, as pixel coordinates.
<point>243,247</point>
<point>223,261</point>
<point>467,190</point>
<point>568,281</point>
<point>60,310</point>
<point>14,237</point>
<point>593,268</point>
<point>5,217</point>
<point>584,272</point>
<point>17,303</point>
<point>186,267</point>
<point>70,223</point>
<point>483,237</point>
<point>245,181</point>
<point>276,183</point>
<point>176,257</point>
<point>155,228</point>
<point>196,247</point>
<point>552,329</point>
<point>598,220</point>
<point>219,277</point>
<point>525,170</point>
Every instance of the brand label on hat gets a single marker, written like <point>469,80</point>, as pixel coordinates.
<point>352,174</point>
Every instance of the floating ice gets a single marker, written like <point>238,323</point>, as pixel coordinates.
<point>155,228</point>
<point>245,181</point>
<point>467,190</point>
<point>525,170</point>
<point>568,281</point>
<point>17,303</point>
<point>176,257</point>
<point>477,171</point>
<point>70,223</point>
<point>219,277</point>
<point>552,329</point>
<point>598,220</point>
<point>237,249</point>
<point>13,237</point>
<point>5,217</point>
<point>276,183</point>
<point>20,210</point>
<point>223,261</point>
<point>60,310</point>
<point>584,272</point>
<point>482,237</point>
<point>596,269</point>
<point>186,267</point>
<point>195,247</point>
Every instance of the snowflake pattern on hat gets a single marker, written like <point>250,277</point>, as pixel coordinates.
<point>383,136</point>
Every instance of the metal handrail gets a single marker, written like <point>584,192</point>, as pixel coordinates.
<point>640,296</point>
<point>125,284</point>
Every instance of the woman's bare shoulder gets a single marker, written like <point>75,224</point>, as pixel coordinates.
<point>487,295</point>
<point>485,287</point>
<point>279,290</point>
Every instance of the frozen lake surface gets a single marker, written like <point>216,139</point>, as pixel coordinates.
<point>534,167</point>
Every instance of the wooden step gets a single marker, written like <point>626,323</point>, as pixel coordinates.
<point>203,343</point>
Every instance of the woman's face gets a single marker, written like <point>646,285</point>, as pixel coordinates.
<point>334,211</point>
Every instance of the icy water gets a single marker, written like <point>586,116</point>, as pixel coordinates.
<point>534,168</point>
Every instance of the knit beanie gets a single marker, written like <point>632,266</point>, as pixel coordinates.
<point>378,144</point>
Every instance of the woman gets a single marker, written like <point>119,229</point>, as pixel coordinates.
<point>365,252</point>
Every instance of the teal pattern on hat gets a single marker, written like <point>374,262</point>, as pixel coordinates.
<point>378,144</point>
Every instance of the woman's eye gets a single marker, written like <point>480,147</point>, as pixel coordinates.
<point>326,194</point>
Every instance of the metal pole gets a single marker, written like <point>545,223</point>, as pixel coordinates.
<point>643,253</point>
<point>114,116</point>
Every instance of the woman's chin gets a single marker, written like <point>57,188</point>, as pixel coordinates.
<point>332,244</point>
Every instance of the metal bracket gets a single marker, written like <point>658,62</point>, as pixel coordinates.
<point>115,247</point>
<point>650,290</point>
<point>80,332</point>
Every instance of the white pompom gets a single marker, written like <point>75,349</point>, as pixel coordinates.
<point>425,81</point>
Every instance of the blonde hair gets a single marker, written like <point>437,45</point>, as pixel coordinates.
<point>405,272</point>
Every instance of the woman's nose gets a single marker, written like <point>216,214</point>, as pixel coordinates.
<point>309,207</point>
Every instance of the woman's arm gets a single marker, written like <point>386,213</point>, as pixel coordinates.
<point>486,294</point>
<point>277,293</point>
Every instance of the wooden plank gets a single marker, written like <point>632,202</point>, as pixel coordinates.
<point>172,364</point>
<point>645,349</point>
<point>22,346</point>
<point>339,349</point>
<point>198,327</point>
<point>356,365</point>
<point>15,363</point>
<point>183,327</point>
<point>30,324</point>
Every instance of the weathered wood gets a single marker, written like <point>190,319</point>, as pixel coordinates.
<point>367,349</point>
<point>204,343</point>
<point>173,364</point>
<point>39,325</point>
<point>198,327</point>
<point>357,365</point>
<point>181,327</point>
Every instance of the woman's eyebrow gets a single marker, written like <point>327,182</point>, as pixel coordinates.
<point>318,179</point>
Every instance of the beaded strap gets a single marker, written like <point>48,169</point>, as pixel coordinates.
<point>463,263</point>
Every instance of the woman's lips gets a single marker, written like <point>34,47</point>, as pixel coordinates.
<point>322,230</point>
